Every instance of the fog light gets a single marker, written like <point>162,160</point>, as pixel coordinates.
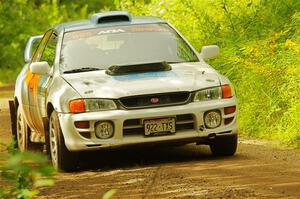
<point>104,130</point>
<point>212,119</point>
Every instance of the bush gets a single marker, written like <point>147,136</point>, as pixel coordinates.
<point>260,45</point>
<point>25,173</point>
<point>259,40</point>
<point>21,19</point>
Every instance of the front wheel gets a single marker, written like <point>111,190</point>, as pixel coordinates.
<point>61,157</point>
<point>224,146</point>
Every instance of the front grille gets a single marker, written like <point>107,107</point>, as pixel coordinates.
<point>162,99</point>
<point>135,126</point>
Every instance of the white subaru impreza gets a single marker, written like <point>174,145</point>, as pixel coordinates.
<point>117,80</point>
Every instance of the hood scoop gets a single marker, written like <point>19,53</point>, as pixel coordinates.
<point>116,70</point>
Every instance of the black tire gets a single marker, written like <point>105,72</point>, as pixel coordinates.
<point>62,158</point>
<point>224,146</point>
<point>23,135</point>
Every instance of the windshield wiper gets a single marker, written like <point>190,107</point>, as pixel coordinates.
<point>79,70</point>
<point>178,62</point>
<point>175,62</point>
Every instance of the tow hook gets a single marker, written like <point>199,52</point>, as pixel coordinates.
<point>207,140</point>
<point>211,136</point>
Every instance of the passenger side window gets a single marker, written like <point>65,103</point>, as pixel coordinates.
<point>49,52</point>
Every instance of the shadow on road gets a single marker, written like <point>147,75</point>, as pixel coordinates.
<point>128,157</point>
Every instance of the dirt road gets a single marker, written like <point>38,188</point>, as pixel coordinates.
<point>257,171</point>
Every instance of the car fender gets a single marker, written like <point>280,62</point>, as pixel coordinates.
<point>59,95</point>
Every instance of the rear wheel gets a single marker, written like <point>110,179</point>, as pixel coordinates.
<point>23,134</point>
<point>61,157</point>
<point>224,146</point>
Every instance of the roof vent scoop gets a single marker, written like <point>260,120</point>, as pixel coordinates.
<point>108,17</point>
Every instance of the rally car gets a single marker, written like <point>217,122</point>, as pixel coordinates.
<point>117,80</point>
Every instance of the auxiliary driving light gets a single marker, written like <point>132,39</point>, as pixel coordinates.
<point>212,119</point>
<point>104,130</point>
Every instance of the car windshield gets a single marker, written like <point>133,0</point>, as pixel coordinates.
<point>123,45</point>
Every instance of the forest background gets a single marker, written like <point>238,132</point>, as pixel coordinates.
<point>259,41</point>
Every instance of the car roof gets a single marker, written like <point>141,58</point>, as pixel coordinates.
<point>88,24</point>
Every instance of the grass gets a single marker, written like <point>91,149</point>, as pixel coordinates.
<point>6,94</point>
<point>8,76</point>
<point>260,46</point>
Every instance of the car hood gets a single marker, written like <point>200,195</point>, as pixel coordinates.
<point>182,77</point>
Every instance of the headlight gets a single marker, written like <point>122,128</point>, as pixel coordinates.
<point>99,105</point>
<point>208,94</point>
<point>88,105</point>
<point>224,91</point>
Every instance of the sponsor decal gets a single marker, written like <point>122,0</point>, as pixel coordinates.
<point>102,32</point>
<point>147,75</point>
<point>82,34</point>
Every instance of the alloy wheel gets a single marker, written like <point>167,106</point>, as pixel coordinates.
<point>53,142</point>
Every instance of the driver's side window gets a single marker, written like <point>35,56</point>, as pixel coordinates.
<point>49,52</point>
<point>39,51</point>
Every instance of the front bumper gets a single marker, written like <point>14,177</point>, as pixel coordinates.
<point>76,142</point>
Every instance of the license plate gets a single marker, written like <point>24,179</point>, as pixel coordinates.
<point>154,126</point>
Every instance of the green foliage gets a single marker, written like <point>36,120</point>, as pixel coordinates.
<point>25,173</point>
<point>260,46</point>
<point>110,194</point>
<point>259,40</point>
<point>20,19</point>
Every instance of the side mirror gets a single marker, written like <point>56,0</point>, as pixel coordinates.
<point>208,52</point>
<point>40,68</point>
<point>30,47</point>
